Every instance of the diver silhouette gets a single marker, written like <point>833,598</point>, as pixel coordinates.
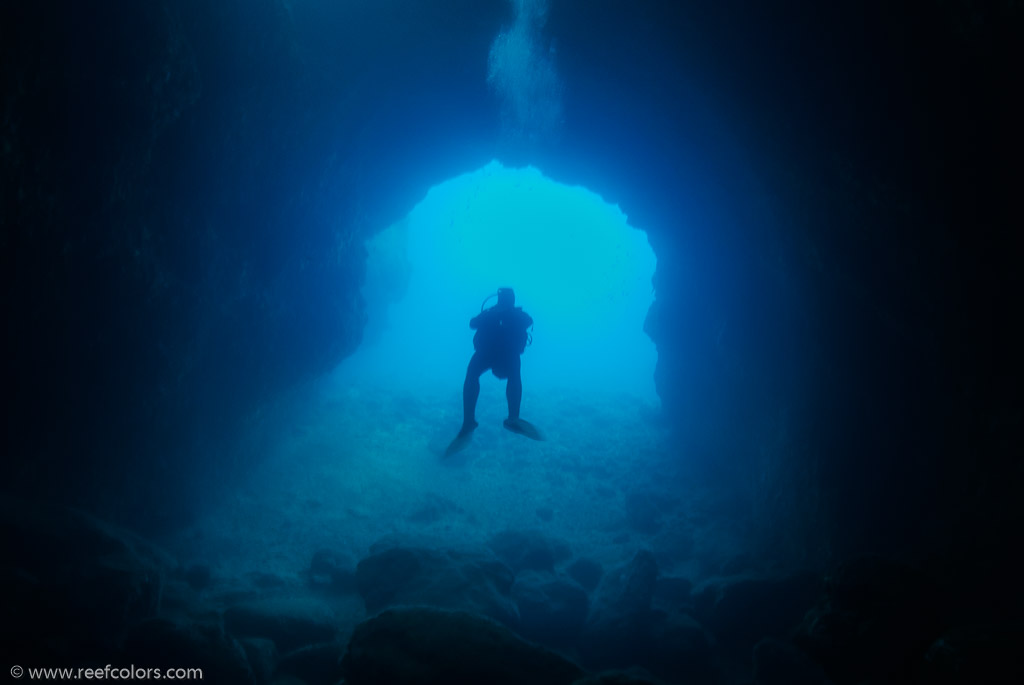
<point>501,337</point>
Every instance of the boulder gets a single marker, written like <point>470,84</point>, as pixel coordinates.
<point>262,656</point>
<point>628,590</point>
<point>198,576</point>
<point>433,509</point>
<point>448,579</point>
<point>319,663</point>
<point>333,571</point>
<point>630,677</point>
<point>528,550</point>
<point>73,585</point>
<point>875,619</point>
<point>552,610</point>
<point>777,662</point>
<point>263,581</point>
<point>645,511</point>
<point>160,643</point>
<point>737,564</point>
<point>423,645</point>
<point>44,538</point>
<point>290,622</point>
<point>287,679</point>
<point>741,610</point>
<point>623,629</point>
<point>678,648</point>
<point>976,654</point>
<point>178,598</point>
<point>672,593</point>
<point>673,646</point>
<point>586,572</point>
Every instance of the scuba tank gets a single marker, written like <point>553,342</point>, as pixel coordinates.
<point>500,294</point>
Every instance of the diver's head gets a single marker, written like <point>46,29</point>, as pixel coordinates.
<point>506,298</point>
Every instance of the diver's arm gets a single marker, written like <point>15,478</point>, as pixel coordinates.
<point>479,319</point>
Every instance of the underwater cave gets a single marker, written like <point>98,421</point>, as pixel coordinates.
<point>581,270</point>
<point>274,416</point>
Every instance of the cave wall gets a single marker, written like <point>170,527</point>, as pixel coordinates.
<point>185,189</point>
<point>840,198</point>
<point>826,190</point>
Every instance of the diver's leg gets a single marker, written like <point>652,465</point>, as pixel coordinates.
<point>514,393</point>
<point>471,391</point>
<point>514,389</point>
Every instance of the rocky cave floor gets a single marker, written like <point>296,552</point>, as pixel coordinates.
<point>356,553</point>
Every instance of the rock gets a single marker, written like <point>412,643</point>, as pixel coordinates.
<point>414,646</point>
<point>630,588</point>
<point>671,593</point>
<point>674,646</point>
<point>73,585</point>
<point>623,630</point>
<point>262,580</point>
<point>780,663</point>
<point>179,598</point>
<point>676,543</point>
<point>552,611</point>
<point>643,512</point>
<point>288,679</point>
<point>314,664</point>
<point>290,622</point>
<point>261,654</point>
<point>25,616</point>
<point>976,654</point>
<point>42,536</point>
<point>528,550</point>
<point>447,579</point>
<point>160,643</point>
<point>331,570</point>
<point>737,564</point>
<point>586,572</point>
<point>622,603</point>
<point>197,576</point>
<point>111,593</point>
<point>432,510</point>
<point>874,619</point>
<point>741,610</point>
<point>633,676</point>
<point>678,648</point>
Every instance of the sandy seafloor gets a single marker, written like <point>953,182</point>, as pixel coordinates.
<point>363,462</point>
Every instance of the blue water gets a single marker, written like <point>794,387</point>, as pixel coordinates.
<point>362,461</point>
<point>765,252</point>
<point>575,265</point>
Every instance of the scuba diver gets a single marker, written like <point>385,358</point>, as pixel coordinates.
<point>501,337</point>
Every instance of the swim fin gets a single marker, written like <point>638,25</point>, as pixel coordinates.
<point>461,440</point>
<point>523,428</point>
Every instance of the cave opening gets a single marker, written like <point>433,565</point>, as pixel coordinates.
<point>366,454</point>
<point>576,265</point>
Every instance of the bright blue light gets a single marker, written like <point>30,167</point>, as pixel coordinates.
<point>576,266</point>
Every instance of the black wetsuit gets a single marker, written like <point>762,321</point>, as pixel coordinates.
<point>501,335</point>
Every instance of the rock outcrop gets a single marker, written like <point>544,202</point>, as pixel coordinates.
<point>413,646</point>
